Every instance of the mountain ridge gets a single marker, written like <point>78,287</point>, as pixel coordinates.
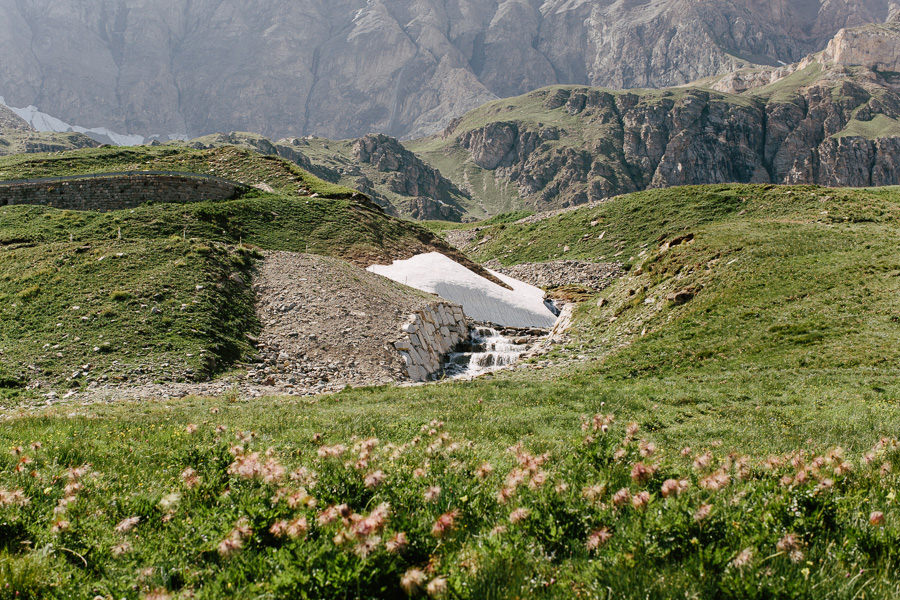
<point>351,67</point>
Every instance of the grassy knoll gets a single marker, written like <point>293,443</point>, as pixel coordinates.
<point>228,162</point>
<point>126,310</point>
<point>162,291</point>
<point>777,346</point>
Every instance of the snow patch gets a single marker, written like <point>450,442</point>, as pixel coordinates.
<point>481,299</point>
<point>41,121</point>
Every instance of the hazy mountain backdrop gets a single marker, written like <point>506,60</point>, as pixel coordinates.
<point>344,68</point>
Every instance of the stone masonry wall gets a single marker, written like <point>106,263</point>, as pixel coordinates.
<point>115,192</point>
<point>429,336</point>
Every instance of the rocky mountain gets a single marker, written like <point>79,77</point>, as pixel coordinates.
<point>345,68</point>
<point>18,137</point>
<point>831,119</point>
<point>377,165</point>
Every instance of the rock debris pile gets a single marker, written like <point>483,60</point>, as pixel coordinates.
<point>328,324</point>
<point>594,276</point>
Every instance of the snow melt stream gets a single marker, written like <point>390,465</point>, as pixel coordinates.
<point>481,299</point>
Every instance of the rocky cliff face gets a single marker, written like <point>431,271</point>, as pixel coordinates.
<point>344,68</point>
<point>427,194</point>
<point>833,119</point>
<point>10,121</point>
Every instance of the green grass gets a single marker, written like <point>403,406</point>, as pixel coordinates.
<point>511,217</point>
<point>880,126</point>
<point>116,311</point>
<point>163,290</point>
<point>228,162</point>
<point>335,227</point>
<point>787,346</point>
<point>138,454</point>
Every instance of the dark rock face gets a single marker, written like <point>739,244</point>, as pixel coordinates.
<point>429,195</point>
<point>344,68</point>
<point>10,121</point>
<point>625,142</point>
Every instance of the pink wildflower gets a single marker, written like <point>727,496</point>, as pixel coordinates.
<point>622,497</point>
<point>702,462</point>
<point>743,558</point>
<point>598,538</point>
<point>640,472</point>
<point>674,487</point>
<point>594,492</point>
<point>519,515</point>
<point>437,587</point>
<point>703,512</point>
<point>444,524</point>
<point>715,482</point>
<point>876,518</point>
<point>60,525</point>
<point>640,500</point>
<point>412,581</point>
<point>647,449</point>
<point>397,543</point>
<point>373,480</point>
<point>127,525</point>
<point>190,478</point>
<point>433,493</point>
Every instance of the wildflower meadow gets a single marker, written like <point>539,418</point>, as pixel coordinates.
<point>610,514</point>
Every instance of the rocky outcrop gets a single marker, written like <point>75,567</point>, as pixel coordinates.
<point>10,121</point>
<point>876,46</point>
<point>18,137</point>
<point>427,194</point>
<point>376,165</point>
<point>344,68</point>
<point>814,122</point>
<point>553,274</point>
<point>117,191</point>
<point>429,335</point>
<point>327,324</point>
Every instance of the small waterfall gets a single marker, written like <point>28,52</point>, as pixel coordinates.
<point>486,351</point>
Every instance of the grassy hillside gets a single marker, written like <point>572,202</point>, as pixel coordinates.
<point>123,311</point>
<point>228,162</point>
<point>162,292</point>
<point>781,278</point>
<point>780,347</point>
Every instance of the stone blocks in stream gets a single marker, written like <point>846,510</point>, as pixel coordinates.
<point>429,336</point>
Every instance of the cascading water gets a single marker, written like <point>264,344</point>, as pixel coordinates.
<point>487,351</point>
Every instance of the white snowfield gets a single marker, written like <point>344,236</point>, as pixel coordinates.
<point>481,299</point>
<point>41,121</point>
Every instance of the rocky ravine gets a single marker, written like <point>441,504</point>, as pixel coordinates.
<point>820,121</point>
<point>344,68</point>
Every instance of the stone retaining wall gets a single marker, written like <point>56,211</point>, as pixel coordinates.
<point>429,336</point>
<point>105,193</point>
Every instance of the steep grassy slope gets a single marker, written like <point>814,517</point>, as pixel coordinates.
<point>162,292</point>
<point>789,284</point>
<point>116,311</point>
